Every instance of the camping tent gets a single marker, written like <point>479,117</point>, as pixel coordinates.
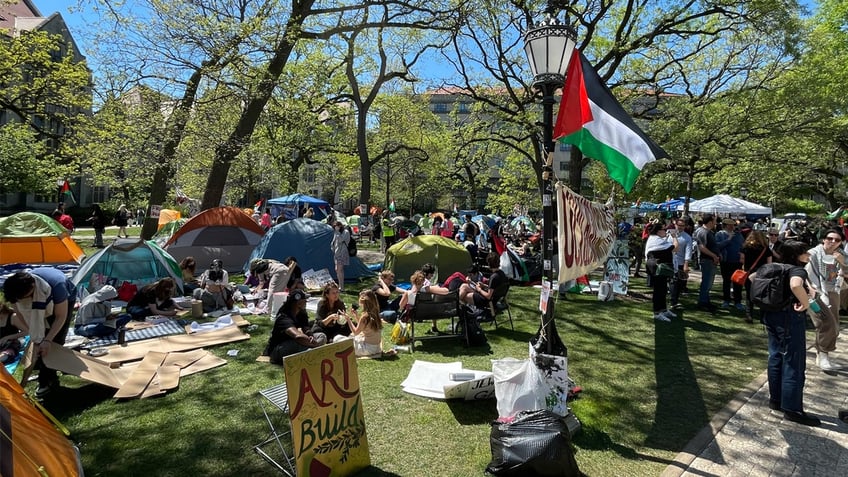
<point>725,204</point>
<point>132,260</point>
<point>290,205</point>
<point>28,237</point>
<point>164,233</point>
<point>225,233</point>
<point>30,443</point>
<point>308,241</point>
<point>168,215</point>
<point>407,256</point>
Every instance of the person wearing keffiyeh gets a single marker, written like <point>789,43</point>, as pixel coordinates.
<point>827,263</point>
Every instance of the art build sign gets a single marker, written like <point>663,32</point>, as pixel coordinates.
<point>327,419</point>
<point>586,233</point>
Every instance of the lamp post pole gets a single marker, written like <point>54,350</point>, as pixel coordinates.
<point>549,46</point>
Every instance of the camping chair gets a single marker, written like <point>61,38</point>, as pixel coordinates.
<point>498,304</point>
<point>430,307</point>
<point>274,401</point>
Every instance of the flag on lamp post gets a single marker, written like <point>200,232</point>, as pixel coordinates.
<point>67,194</point>
<point>591,119</point>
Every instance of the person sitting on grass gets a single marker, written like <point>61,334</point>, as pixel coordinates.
<point>188,267</point>
<point>383,289</point>
<point>12,329</point>
<point>366,328</point>
<point>94,316</point>
<point>291,333</point>
<point>215,291</point>
<point>153,299</point>
<point>329,316</point>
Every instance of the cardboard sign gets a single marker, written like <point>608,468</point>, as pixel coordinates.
<point>155,210</point>
<point>327,419</point>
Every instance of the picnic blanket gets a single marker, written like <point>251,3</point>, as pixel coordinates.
<point>165,328</point>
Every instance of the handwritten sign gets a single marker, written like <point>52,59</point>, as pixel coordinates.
<point>155,210</point>
<point>327,419</point>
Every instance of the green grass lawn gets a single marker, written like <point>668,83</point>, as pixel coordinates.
<point>647,389</point>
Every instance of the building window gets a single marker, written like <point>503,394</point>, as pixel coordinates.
<point>309,175</point>
<point>463,108</point>
<point>440,108</point>
<point>564,146</point>
<point>563,166</point>
<point>99,194</point>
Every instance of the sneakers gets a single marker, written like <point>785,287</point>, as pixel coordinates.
<point>823,362</point>
<point>669,314</point>
<point>42,391</point>
<point>802,418</point>
<point>662,317</point>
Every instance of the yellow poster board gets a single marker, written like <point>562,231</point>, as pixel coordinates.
<point>327,419</point>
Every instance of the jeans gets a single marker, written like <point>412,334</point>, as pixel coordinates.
<point>708,271</point>
<point>389,316</point>
<point>97,330</point>
<point>787,358</point>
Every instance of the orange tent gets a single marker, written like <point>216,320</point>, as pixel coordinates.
<point>29,237</point>
<point>29,443</point>
<point>168,215</point>
<point>225,233</point>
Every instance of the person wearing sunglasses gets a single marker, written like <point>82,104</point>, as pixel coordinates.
<point>826,264</point>
<point>774,243</point>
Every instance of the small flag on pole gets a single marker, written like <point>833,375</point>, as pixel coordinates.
<point>67,194</point>
<point>257,205</point>
<point>392,205</point>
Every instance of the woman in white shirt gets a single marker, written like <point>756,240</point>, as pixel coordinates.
<point>659,249</point>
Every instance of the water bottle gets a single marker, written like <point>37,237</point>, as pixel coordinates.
<point>814,306</point>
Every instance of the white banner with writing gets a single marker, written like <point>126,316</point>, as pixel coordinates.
<point>586,232</point>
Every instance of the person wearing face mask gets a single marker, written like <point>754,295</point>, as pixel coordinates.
<point>341,238</point>
<point>826,264</point>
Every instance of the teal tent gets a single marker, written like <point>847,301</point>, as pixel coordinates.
<point>131,260</point>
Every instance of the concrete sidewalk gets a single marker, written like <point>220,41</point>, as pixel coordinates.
<point>747,439</point>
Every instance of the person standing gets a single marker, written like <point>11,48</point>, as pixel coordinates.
<point>121,219</point>
<point>660,250</point>
<point>825,265</point>
<point>388,229</point>
<point>98,223</point>
<point>426,223</point>
<point>682,257</point>
<point>265,220</point>
<point>755,253</point>
<point>341,257</point>
<point>710,257</point>
<point>45,299</point>
<point>731,244</point>
<point>787,346</point>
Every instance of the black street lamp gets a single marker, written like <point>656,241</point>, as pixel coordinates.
<point>743,192</point>
<point>549,46</point>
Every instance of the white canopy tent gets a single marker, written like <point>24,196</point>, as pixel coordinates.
<point>725,204</point>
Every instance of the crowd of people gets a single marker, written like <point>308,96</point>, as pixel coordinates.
<point>815,275</point>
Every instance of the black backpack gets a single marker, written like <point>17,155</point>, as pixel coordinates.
<point>770,287</point>
<point>471,332</point>
<point>351,243</point>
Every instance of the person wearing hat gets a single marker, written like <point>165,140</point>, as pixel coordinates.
<point>291,332</point>
<point>730,242</point>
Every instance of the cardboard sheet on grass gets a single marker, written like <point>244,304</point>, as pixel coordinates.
<point>326,413</point>
<point>157,373</point>
<point>433,380</point>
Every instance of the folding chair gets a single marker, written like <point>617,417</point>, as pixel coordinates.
<point>274,402</point>
<point>429,307</point>
<point>499,303</point>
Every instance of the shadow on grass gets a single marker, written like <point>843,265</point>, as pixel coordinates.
<point>66,402</point>
<point>473,412</point>
<point>680,404</point>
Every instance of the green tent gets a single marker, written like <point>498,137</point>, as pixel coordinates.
<point>409,255</point>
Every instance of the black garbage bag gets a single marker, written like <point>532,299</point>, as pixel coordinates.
<point>535,444</point>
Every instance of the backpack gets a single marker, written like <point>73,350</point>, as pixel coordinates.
<point>351,243</point>
<point>770,287</point>
<point>470,331</point>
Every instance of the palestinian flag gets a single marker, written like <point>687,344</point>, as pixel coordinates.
<point>591,119</point>
<point>257,206</point>
<point>67,194</point>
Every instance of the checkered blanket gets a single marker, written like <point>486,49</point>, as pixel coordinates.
<point>170,327</point>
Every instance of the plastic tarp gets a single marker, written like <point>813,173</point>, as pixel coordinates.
<point>29,237</point>
<point>291,205</point>
<point>409,255</point>
<point>224,233</point>
<point>132,260</point>
<point>309,242</point>
<point>726,204</point>
<point>30,441</point>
